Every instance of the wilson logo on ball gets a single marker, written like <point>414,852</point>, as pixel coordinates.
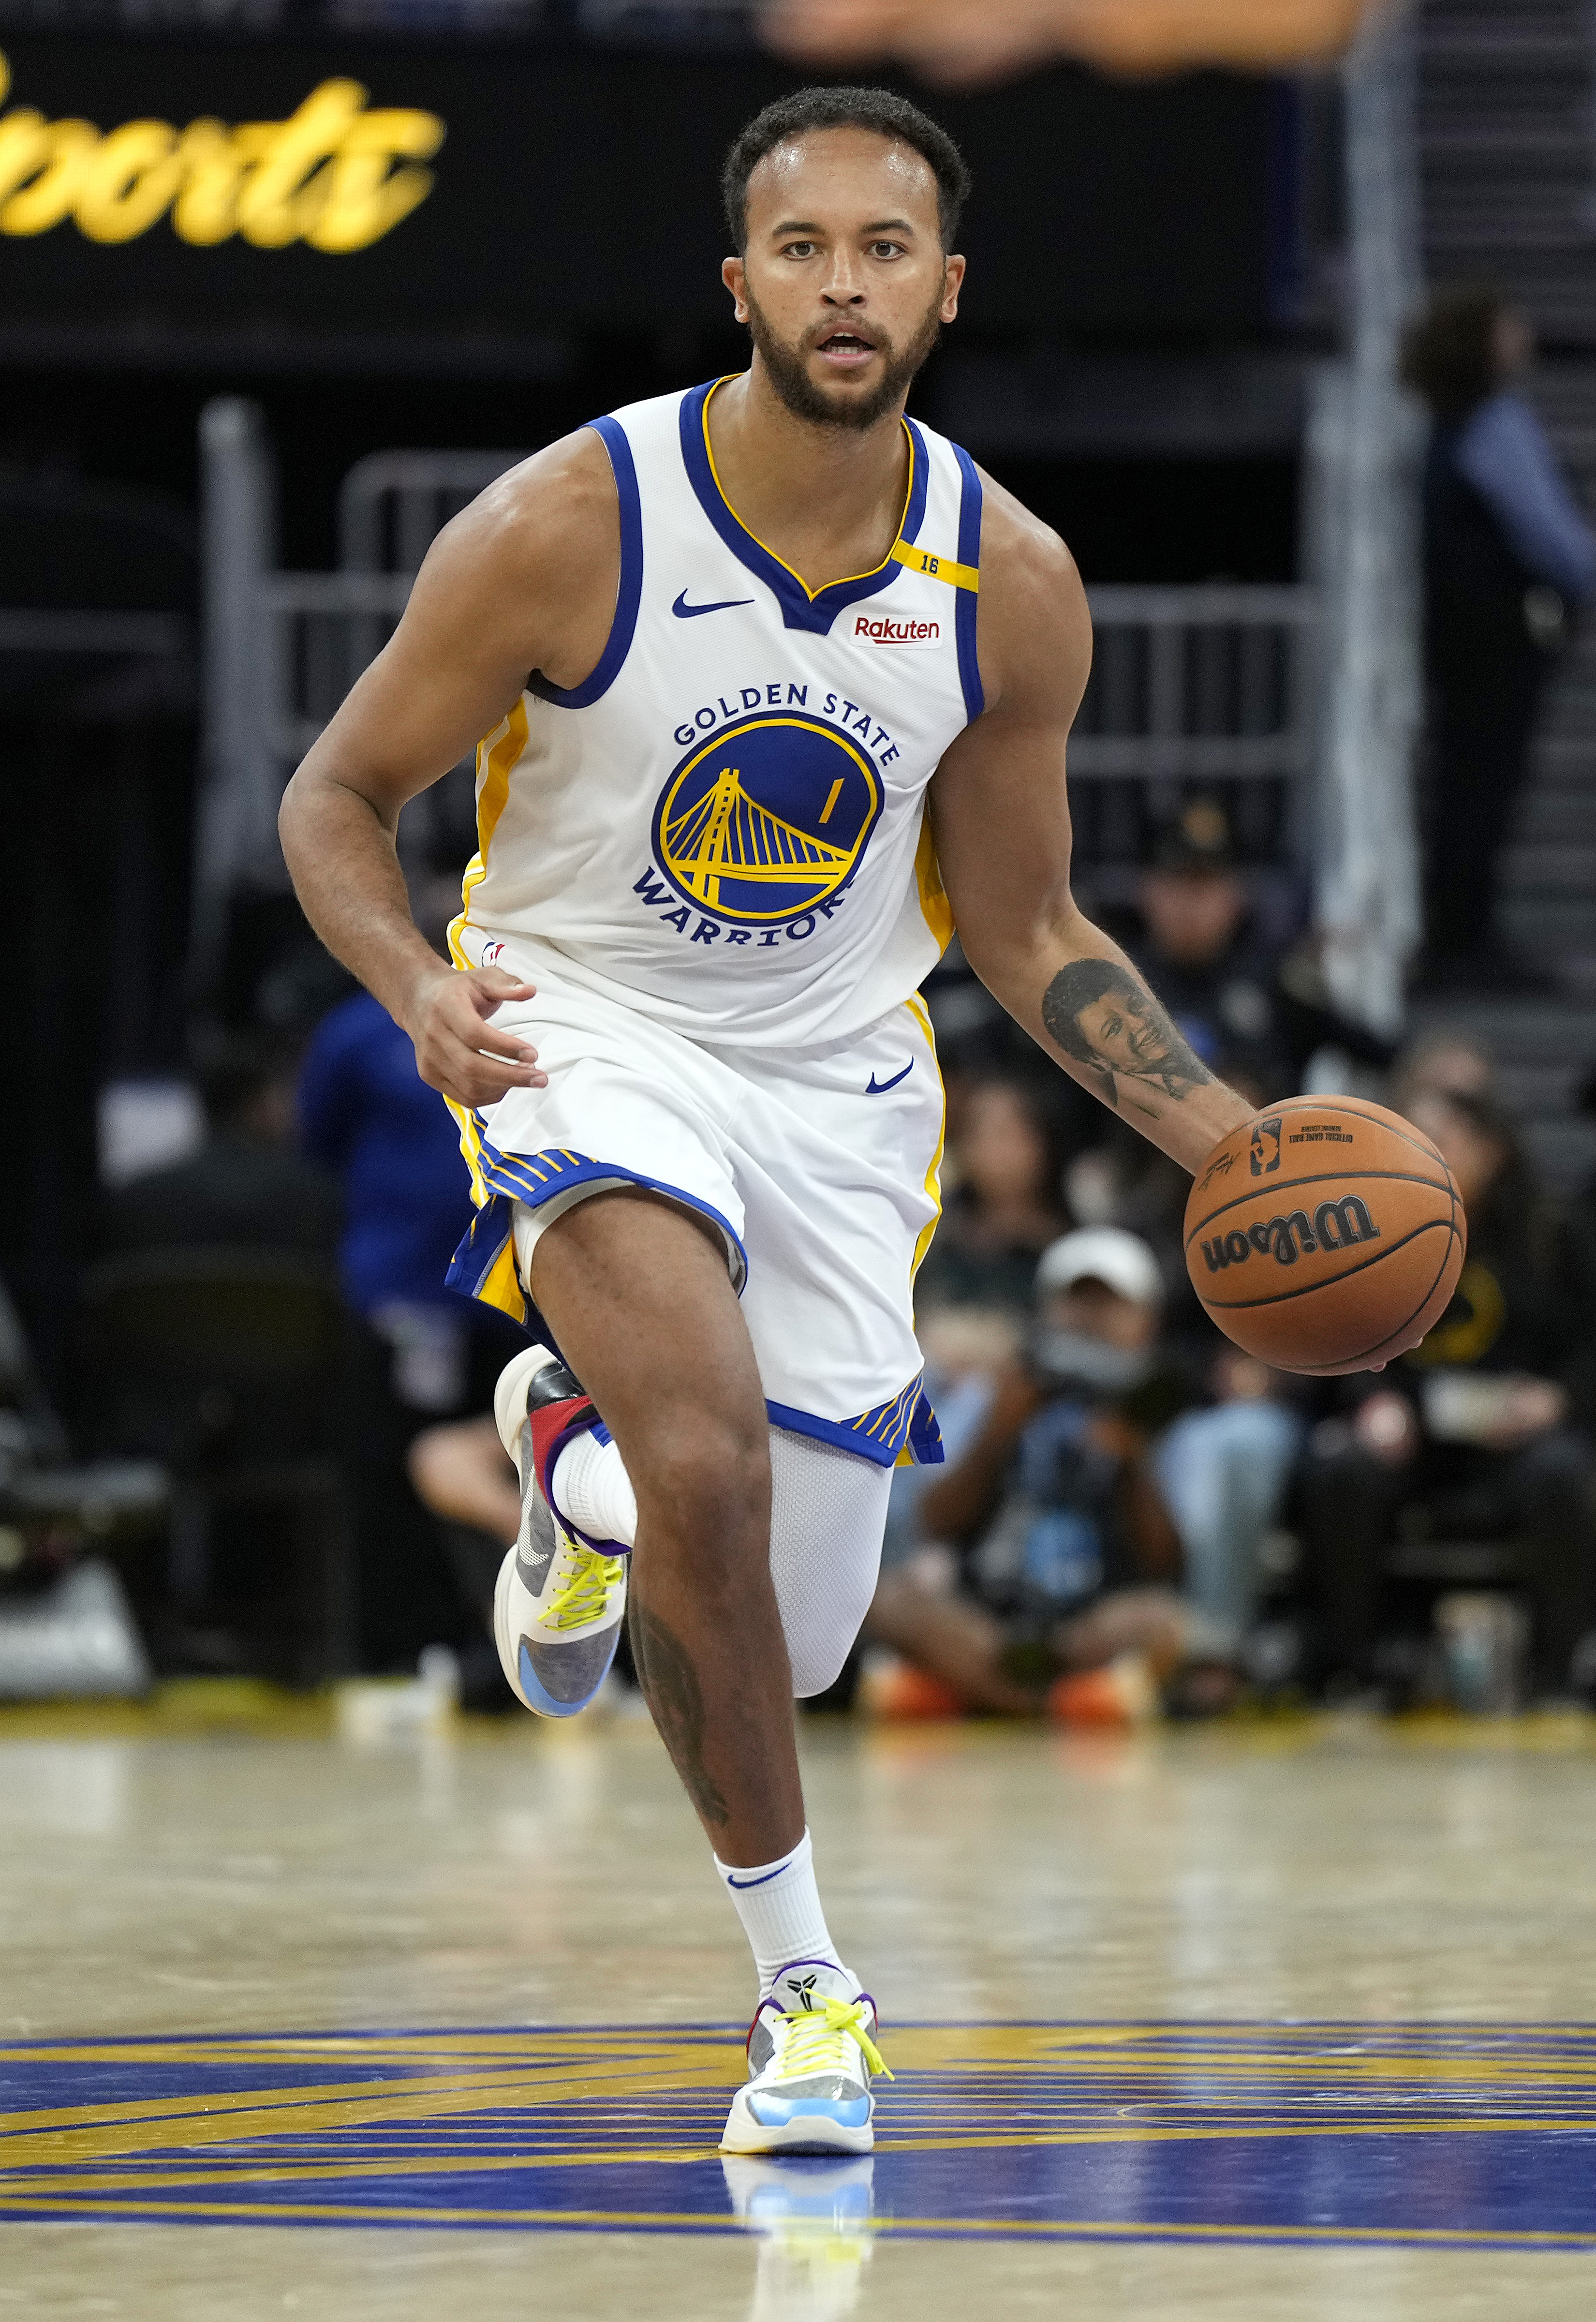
<point>1336,1225</point>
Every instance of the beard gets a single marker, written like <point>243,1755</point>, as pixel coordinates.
<point>805,400</point>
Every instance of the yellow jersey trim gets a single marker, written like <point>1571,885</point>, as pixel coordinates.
<point>935,907</point>
<point>937,568</point>
<point>849,580</point>
<point>497,755</point>
<point>917,1010</point>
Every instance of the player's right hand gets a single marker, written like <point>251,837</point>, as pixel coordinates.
<point>457,1050</point>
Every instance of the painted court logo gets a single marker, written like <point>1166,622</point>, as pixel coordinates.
<point>768,821</point>
<point>881,629</point>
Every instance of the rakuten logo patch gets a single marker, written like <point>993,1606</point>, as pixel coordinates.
<point>879,629</point>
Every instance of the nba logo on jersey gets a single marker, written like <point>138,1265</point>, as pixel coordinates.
<point>769,821</point>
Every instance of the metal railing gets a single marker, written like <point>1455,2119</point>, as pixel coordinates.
<point>1208,687</point>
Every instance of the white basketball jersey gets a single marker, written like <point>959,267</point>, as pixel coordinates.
<point>724,828</point>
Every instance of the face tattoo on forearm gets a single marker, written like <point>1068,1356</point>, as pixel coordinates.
<point>1100,1014</point>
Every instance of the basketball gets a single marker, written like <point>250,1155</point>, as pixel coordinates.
<point>1325,1235</point>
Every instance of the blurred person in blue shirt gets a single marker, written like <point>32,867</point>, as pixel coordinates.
<point>369,1118</point>
<point>1510,559</point>
<point>372,1122</point>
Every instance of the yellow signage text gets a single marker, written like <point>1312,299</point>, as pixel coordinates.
<point>337,174</point>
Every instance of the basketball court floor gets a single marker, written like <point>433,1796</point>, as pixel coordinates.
<point>1293,2017</point>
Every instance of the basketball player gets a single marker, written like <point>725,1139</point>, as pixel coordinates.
<point>776,687</point>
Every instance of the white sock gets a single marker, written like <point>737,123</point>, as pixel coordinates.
<point>778,1904</point>
<point>592,1486</point>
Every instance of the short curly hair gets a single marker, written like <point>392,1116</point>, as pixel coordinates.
<point>878,109</point>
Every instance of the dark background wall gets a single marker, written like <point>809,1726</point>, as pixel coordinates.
<point>578,190</point>
<point>566,261</point>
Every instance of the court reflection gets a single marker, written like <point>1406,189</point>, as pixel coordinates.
<point>815,2221</point>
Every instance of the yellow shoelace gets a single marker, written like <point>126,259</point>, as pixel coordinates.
<point>586,1597</point>
<point>815,2044</point>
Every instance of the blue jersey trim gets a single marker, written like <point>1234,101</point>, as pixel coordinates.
<point>533,1178</point>
<point>919,486</point>
<point>878,1436</point>
<point>799,610</point>
<point>628,596</point>
<point>971,501</point>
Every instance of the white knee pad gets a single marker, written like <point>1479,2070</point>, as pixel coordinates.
<point>828,1513</point>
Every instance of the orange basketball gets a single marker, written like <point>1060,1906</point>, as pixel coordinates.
<point>1325,1235</point>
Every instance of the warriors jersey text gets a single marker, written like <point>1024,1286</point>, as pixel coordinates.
<point>724,828</point>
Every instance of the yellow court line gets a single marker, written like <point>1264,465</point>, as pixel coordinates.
<point>936,2228</point>
<point>1135,2036</point>
<point>256,2171</point>
<point>313,2213</point>
<point>197,2121</point>
<point>312,2172</point>
<point>208,2116</point>
<point>1444,2236</point>
<point>273,2048</point>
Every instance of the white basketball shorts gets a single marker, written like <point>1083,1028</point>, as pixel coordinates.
<point>819,1165</point>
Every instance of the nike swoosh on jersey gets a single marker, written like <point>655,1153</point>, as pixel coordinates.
<point>879,1088</point>
<point>686,612</point>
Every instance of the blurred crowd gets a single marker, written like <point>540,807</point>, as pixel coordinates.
<point>1134,1512</point>
<point>1135,1518</point>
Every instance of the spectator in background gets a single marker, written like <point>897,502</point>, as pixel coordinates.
<point>1251,1007</point>
<point>1483,1431</point>
<point>1061,1504</point>
<point>368,1117</point>
<point>247,1186</point>
<point>1444,1064</point>
<point>366,1114</point>
<point>1508,559</point>
<point>1005,1205</point>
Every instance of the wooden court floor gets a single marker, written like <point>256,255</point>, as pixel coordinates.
<point>1288,2019</point>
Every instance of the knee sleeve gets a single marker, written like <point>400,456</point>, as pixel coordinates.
<point>828,1512</point>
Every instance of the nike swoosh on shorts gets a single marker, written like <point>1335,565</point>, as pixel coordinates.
<point>686,612</point>
<point>879,1088</point>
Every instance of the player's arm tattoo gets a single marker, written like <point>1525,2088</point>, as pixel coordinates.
<point>1103,1015</point>
<point>671,1685</point>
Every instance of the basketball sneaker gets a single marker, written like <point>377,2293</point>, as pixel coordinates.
<point>561,1597</point>
<point>811,2057</point>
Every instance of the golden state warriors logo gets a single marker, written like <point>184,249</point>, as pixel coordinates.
<point>768,821</point>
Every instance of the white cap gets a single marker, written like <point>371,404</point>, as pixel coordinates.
<point>1102,1254</point>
